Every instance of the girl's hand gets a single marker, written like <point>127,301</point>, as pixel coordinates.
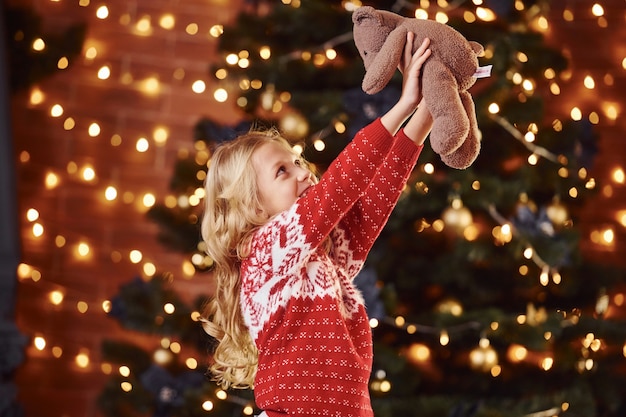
<point>410,67</point>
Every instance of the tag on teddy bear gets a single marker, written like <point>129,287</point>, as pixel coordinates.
<point>483,72</point>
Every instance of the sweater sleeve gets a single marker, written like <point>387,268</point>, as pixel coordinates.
<point>362,224</point>
<point>344,182</point>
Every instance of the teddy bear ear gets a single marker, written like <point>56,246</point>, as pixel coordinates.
<point>364,14</point>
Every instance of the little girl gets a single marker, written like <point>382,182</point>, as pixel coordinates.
<point>286,315</point>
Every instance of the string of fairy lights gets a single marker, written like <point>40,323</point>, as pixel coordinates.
<point>483,358</point>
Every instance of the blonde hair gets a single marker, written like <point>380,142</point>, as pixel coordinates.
<point>232,213</point>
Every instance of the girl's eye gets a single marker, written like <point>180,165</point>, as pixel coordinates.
<point>297,163</point>
<point>281,169</point>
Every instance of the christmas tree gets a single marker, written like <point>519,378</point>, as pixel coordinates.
<point>480,300</point>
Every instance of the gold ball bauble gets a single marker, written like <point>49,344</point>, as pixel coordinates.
<point>294,125</point>
<point>268,98</point>
<point>457,216</point>
<point>162,356</point>
<point>483,358</point>
<point>449,306</point>
<point>525,202</point>
<point>557,212</point>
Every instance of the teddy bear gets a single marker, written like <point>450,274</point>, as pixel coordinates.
<point>448,73</point>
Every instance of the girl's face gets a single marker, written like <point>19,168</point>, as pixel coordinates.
<point>281,179</point>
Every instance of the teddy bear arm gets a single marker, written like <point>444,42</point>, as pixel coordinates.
<point>384,65</point>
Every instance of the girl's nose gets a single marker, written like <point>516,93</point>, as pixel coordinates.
<point>304,175</point>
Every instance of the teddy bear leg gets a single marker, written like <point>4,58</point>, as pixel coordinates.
<point>464,156</point>
<point>467,153</point>
<point>441,93</point>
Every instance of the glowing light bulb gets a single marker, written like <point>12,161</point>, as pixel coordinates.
<point>39,342</point>
<point>88,174</point>
<point>167,21</point>
<point>144,26</point>
<point>93,130</point>
<point>82,360</point>
<point>232,59</point>
<point>38,45</point>
<point>421,14</point>
<point>576,114</point>
<point>104,72</point>
<point>56,297</point>
<point>32,215</point>
<point>192,28</point>
<point>441,17</point>
<point>149,200</point>
<point>135,256</point>
<point>83,249</point>
<point>102,12</point>
<point>69,123</point>
<point>220,95</point>
<point>37,230</point>
<point>51,181</point>
<point>149,269</point>
<point>142,145</point>
<point>110,193</point>
<point>198,87</point>
<point>444,338</point>
<point>160,135</point>
<point>485,14</point>
<point>597,10</point>
<point>36,96</point>
<point>56,110</point>
<point>216,31</point>
<point>191,363</point>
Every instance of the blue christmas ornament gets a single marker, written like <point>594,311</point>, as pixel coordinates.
<point>366,281</point>
<point>168,390</point>
<point>365,108</point>
<point>210,131</point>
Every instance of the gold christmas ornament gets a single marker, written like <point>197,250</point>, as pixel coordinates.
<point>294,125</point>
<point>457,216</point>
<point>557,212</point>
<point>418,353</point>
<point>162,356</point>
<point>268,98</point>
<point>449,306</point>
<point>483,357</point>
<point>535,316</point>
<point>525,201</point>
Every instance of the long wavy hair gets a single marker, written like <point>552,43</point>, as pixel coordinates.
<point>232,213</point>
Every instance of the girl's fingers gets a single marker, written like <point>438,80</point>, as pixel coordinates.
<point>423,46</point>
<point>407,54</point>
<point>422,52</point>
<point>422,58</point>
<point>421,55</point>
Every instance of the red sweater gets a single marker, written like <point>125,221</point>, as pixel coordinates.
<point>298,300</point>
